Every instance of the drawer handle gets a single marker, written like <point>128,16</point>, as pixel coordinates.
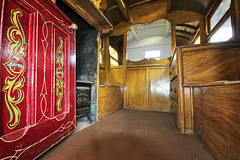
<point>170,73</point>
<point>175,90</point>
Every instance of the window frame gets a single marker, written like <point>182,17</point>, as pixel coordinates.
<point>229,13</point>
<point>152,51</point>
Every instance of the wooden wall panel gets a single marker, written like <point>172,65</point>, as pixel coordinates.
<point>217,147</point>
<point>220,96</point>
<point>211,65</point>
<point>110,100</point>
<point>217,120</point>
<point>117,76</point>
<point>102,76</point>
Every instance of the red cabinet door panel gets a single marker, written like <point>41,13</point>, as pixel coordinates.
<point>37,67</point>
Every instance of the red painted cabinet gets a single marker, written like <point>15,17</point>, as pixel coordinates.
<point>37,78</point>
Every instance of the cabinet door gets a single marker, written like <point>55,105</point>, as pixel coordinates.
<point>159,90</point>
<point>137,88</point>
<point>37,67</point>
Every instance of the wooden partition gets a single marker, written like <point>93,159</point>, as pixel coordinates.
<point>200,64</point>
<point>217,118</point>
<point>110,100</point>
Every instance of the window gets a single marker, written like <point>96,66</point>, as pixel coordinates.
<point>224,33</point>
<point>152,54</point>
<point>113,56</point>
<point>220,23</point>
<point>219,13</point>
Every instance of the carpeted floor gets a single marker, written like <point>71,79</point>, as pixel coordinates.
<point>130,135</point>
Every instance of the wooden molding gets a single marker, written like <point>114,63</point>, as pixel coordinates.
<point>88,11</point>
<point>148,62</point>
<point>123,9</point>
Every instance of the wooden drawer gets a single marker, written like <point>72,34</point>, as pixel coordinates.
<point>173,69</point>
<point>174,90</point>
<point>174,110</point>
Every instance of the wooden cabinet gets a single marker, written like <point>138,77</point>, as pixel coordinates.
<point>159,88</point>
<point>148,86</point>
<point>137,85</point>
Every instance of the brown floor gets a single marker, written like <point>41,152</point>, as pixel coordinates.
<point>130,135</point>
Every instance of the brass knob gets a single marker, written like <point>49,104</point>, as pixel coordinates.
<point>73,26</point>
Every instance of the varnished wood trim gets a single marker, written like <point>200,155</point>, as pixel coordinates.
<point>212,46</point>
<point>138,3</point>
<point>180,91</point>
<point>122,7</point>
<point>88,11</point>
<point>110,9</point>
<point>217,83</point>
<point>148,63</point>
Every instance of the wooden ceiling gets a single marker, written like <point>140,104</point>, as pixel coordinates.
<point>119,10</point>
<point>198,6</point>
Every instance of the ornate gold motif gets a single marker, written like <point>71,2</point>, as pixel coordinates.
<point>59,75</point>
<point>16,67</point>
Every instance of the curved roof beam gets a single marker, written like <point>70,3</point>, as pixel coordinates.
<point>188,26</point>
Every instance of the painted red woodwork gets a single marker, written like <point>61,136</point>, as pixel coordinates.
<point>37,78</point>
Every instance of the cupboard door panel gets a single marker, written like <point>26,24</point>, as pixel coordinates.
<point>37,59</point>
<point>159,90</point>
<point>137,88</point>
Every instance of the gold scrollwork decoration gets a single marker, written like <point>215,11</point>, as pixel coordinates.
<point>15,66</point>
<point>59,75</point>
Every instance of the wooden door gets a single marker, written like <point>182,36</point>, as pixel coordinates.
<point>137,91</point>
<point>159,89</point>
<point>37,68</point>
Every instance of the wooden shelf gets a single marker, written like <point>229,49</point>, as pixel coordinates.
<point>88,11</point>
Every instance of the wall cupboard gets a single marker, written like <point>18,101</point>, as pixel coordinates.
<point>148,85</point>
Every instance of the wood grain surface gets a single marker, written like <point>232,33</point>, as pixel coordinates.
<point>174,90</point>
<point>217,119</point>
<point>110,100</point>
<point>188,110</point>
<point>137,93</point>
<point>159,98</point>
<point>211,65</point>
<point>148,63</point>
<point>102,76</point>
<point>117,76</point>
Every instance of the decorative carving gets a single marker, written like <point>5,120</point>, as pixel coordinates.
<point>16,67</point>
